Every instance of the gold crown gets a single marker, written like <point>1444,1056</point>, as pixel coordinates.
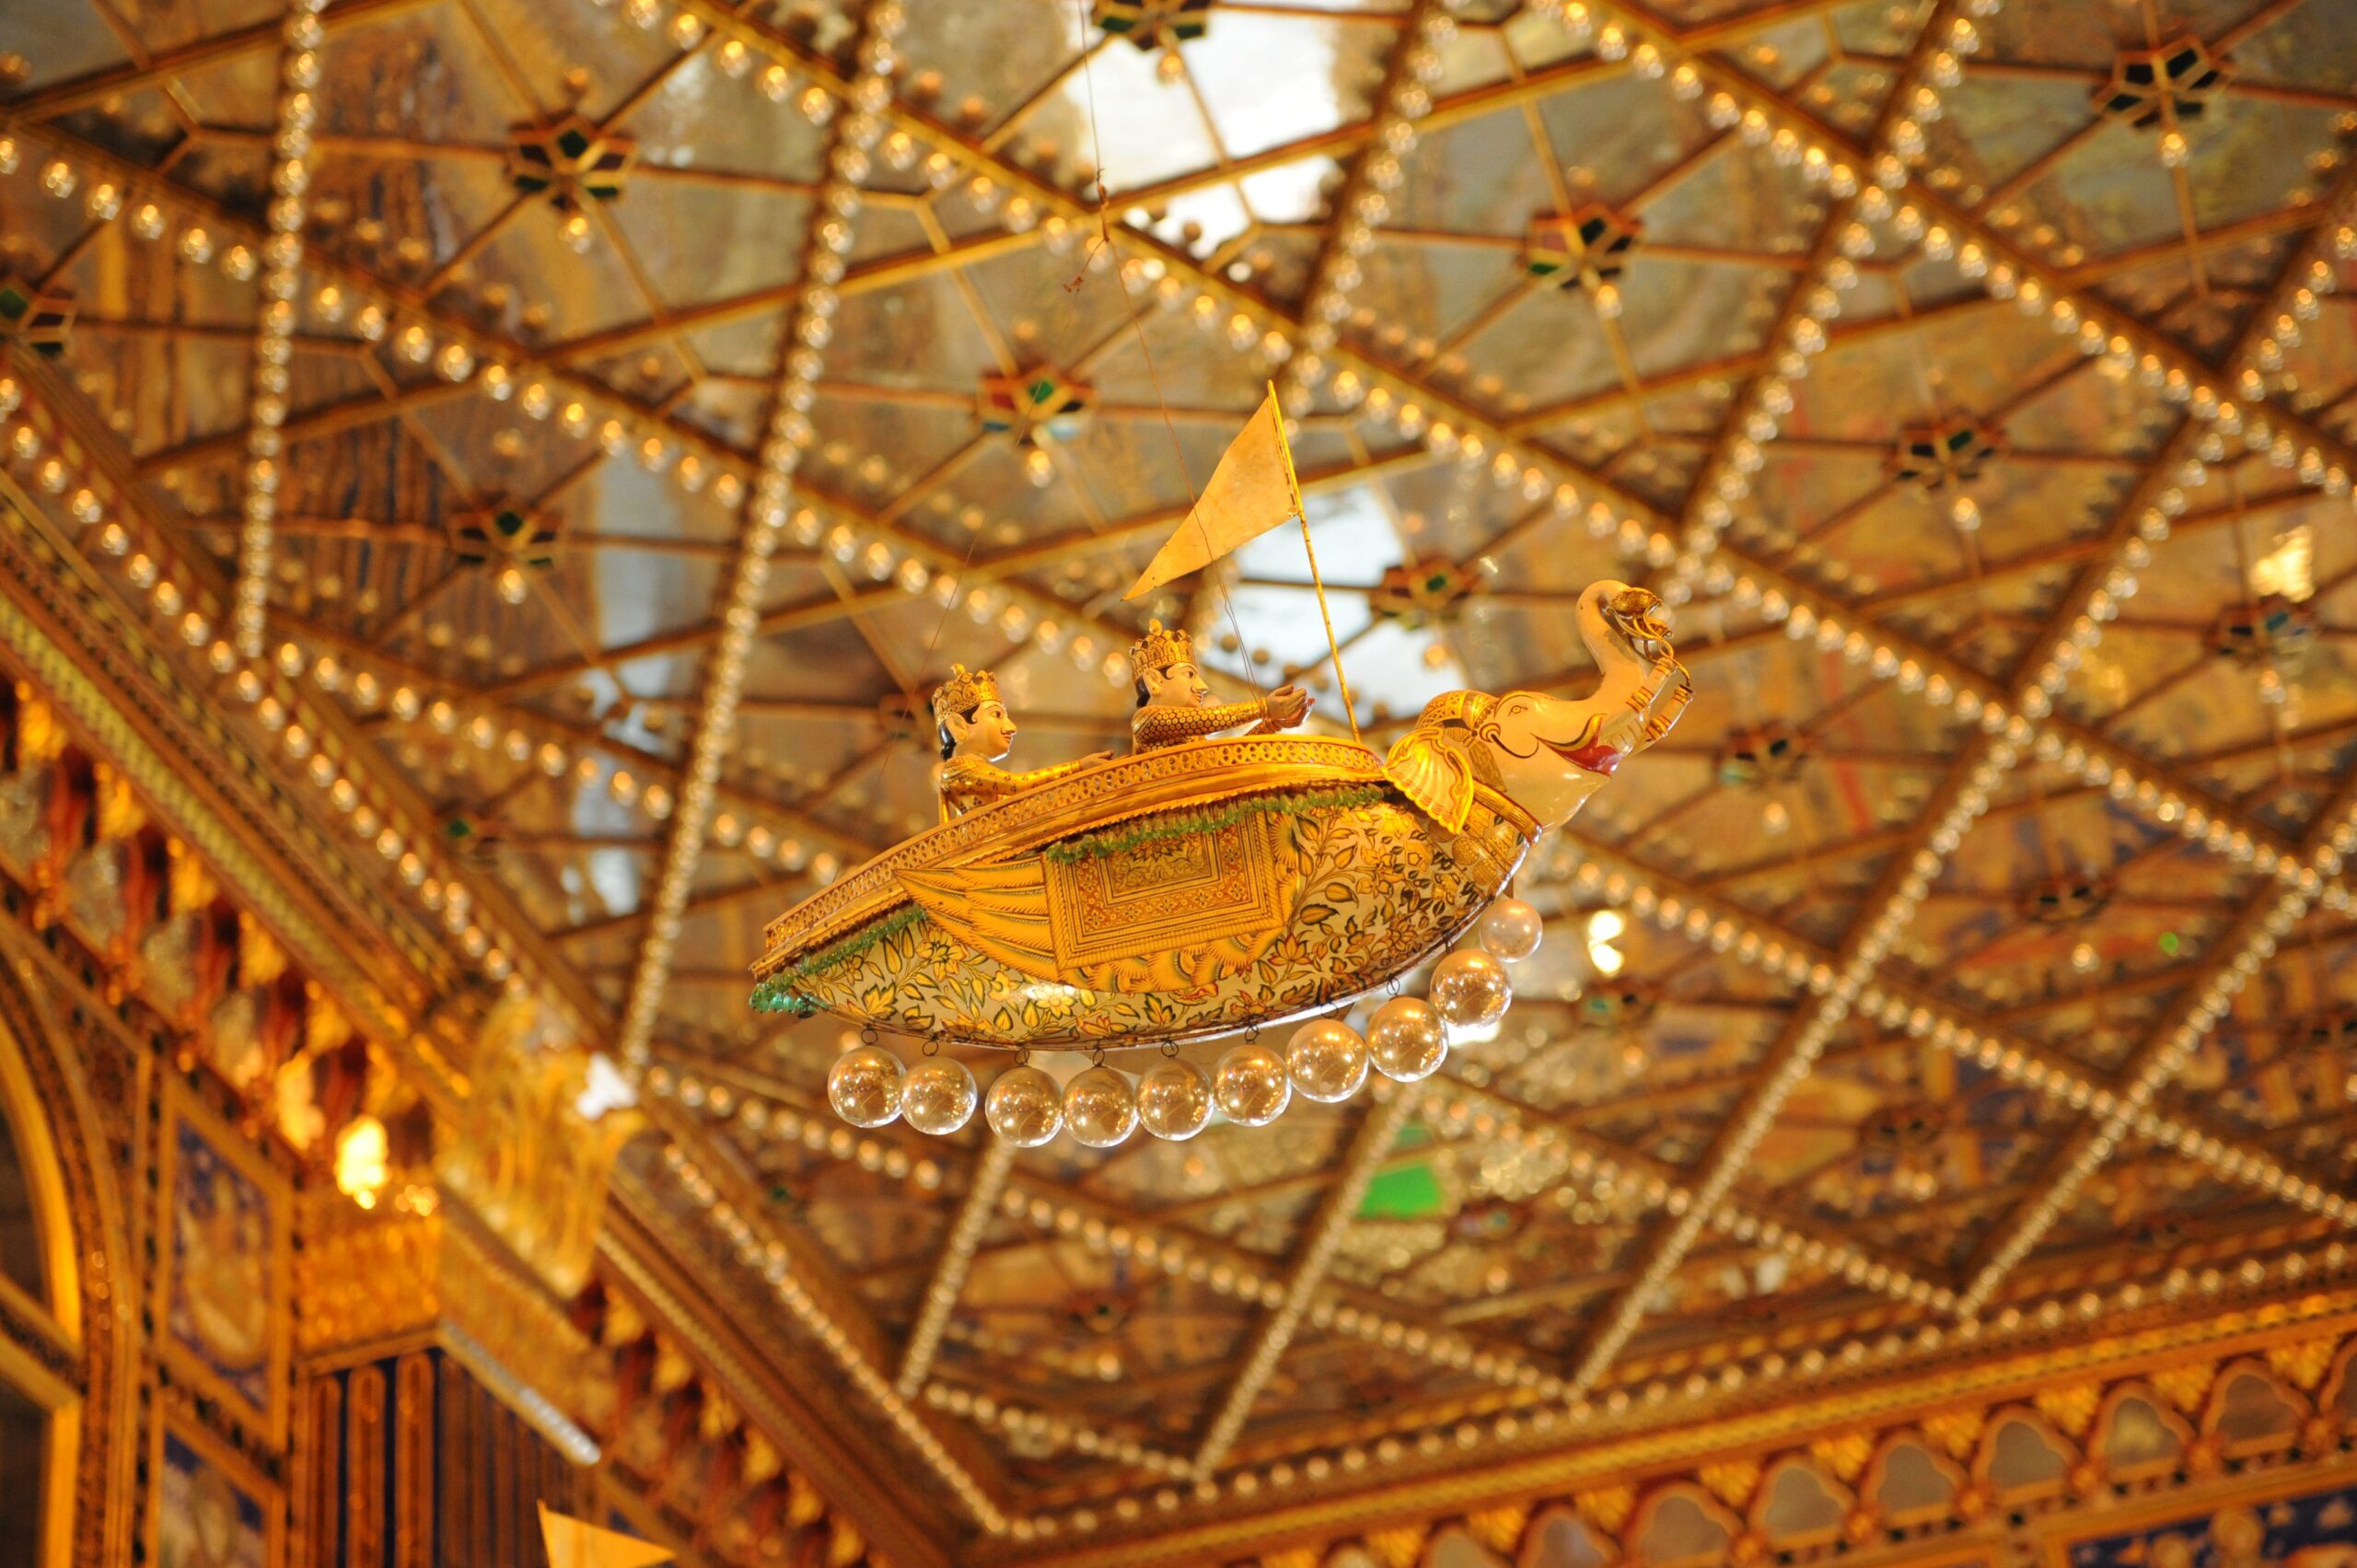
<point>1159,649</point>
<point>963,692</point>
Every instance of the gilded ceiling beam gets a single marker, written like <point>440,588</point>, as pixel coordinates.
<point>489,352</point>
<point>2041,286</point>
<point>395,811</point>
<point>2145,519</point>
<point>1459,109</point>
<point>985,1179</point>
<point>1399,102</point>
<point>1951,314</point>
<point>1844,1407</point>
<point>1699,915</point>
<point>1379,1130</point>
<point>850,1469</point>
<point>1344,140</point>
<point>1107,1230</point>
<point>868,277</point>
<point>313,423</point>
<point>127,702</point>
<point>2233,962</point>
<point>282,280</point>
<point>1885,910</point>
<point>95,89</point>
<point>1673,1192</point>
<point>1757,409</point>
<point>574,737</point>
<point>805,1284</point>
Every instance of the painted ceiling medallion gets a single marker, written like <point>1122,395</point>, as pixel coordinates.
<point>39,318</point>
<point>570,159</point>
<point>2065,900</point>
<point>1155,24</point>
<point>2176,80</point>
<point>1766,755</point>
<point>1616,1009</point>
<point>2333,1029</point>
<point>1423,591</point>
<point>1936,457</point>
<point>472,839</point>
<point>505,533</point>
<point>1037,408</point>
<point>2269,630</point>
<point>1587,248</point>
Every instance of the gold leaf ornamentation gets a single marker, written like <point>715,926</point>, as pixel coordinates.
<point>1845,1456</point>
<point>1956,1430</point>
<point>2072,1408</point>
<point>1608,1507</point>
<point>1397,1548</point>
<point>2185,1387</point>
<point>2302,1365</point>
<point>1498,1528</point>
<point>1733,1482</point>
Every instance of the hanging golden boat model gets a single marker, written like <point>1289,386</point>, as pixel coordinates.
<point>1222,886</point>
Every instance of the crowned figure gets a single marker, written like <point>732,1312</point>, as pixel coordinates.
<point>1174,705</point>
<point>976,730</point>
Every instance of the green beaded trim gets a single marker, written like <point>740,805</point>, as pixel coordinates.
<point>779,992</point>
<point>1297,802</point>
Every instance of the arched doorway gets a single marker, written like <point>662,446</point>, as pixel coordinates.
<point>62,1346</point>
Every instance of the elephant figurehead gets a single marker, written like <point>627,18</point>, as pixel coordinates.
<point>1547,753</point>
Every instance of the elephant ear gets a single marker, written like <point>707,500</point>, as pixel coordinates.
<point>1435,773</point>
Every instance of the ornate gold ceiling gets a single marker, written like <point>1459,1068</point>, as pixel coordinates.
<point>621,413</point>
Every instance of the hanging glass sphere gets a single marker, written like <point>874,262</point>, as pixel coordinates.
<point>1327,1060</point>
<point>1251,1085</point>
<point>864,1085</point>
<point>1101,1111</point>
<point>1469,989</point>
<point>939,1096</point>
<point>1024,1107</point>
<point>1407,1039</point>
<point>1511,930</point>
<point>1174,1099</point>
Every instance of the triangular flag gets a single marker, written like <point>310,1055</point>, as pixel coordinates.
<point>574,1544</point>
<point>1249,493</point>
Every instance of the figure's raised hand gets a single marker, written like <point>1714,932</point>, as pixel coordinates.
<point>1288,706</point>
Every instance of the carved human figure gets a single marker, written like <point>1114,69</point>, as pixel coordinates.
<point>1174,703</point>
<point>976,731</point>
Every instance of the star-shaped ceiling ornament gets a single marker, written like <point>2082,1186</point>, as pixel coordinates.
<point>1937,457</point>
<point>1588,248</point>
<point>39,318</point>
<point>573,162</point>
<point>1155,24</point>
<point>2177,79</point>
<point>1423,591</point>
<point>1769,754</point>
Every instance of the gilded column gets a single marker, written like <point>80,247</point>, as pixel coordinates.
<point>365,1471</point>
<point>413,1461</point>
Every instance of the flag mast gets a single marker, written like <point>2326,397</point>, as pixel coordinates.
<point>1300,515</point>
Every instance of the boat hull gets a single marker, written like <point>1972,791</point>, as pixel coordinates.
<point>1195,892</point>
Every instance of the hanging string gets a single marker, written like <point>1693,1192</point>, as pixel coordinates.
<point>1105,242</point>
